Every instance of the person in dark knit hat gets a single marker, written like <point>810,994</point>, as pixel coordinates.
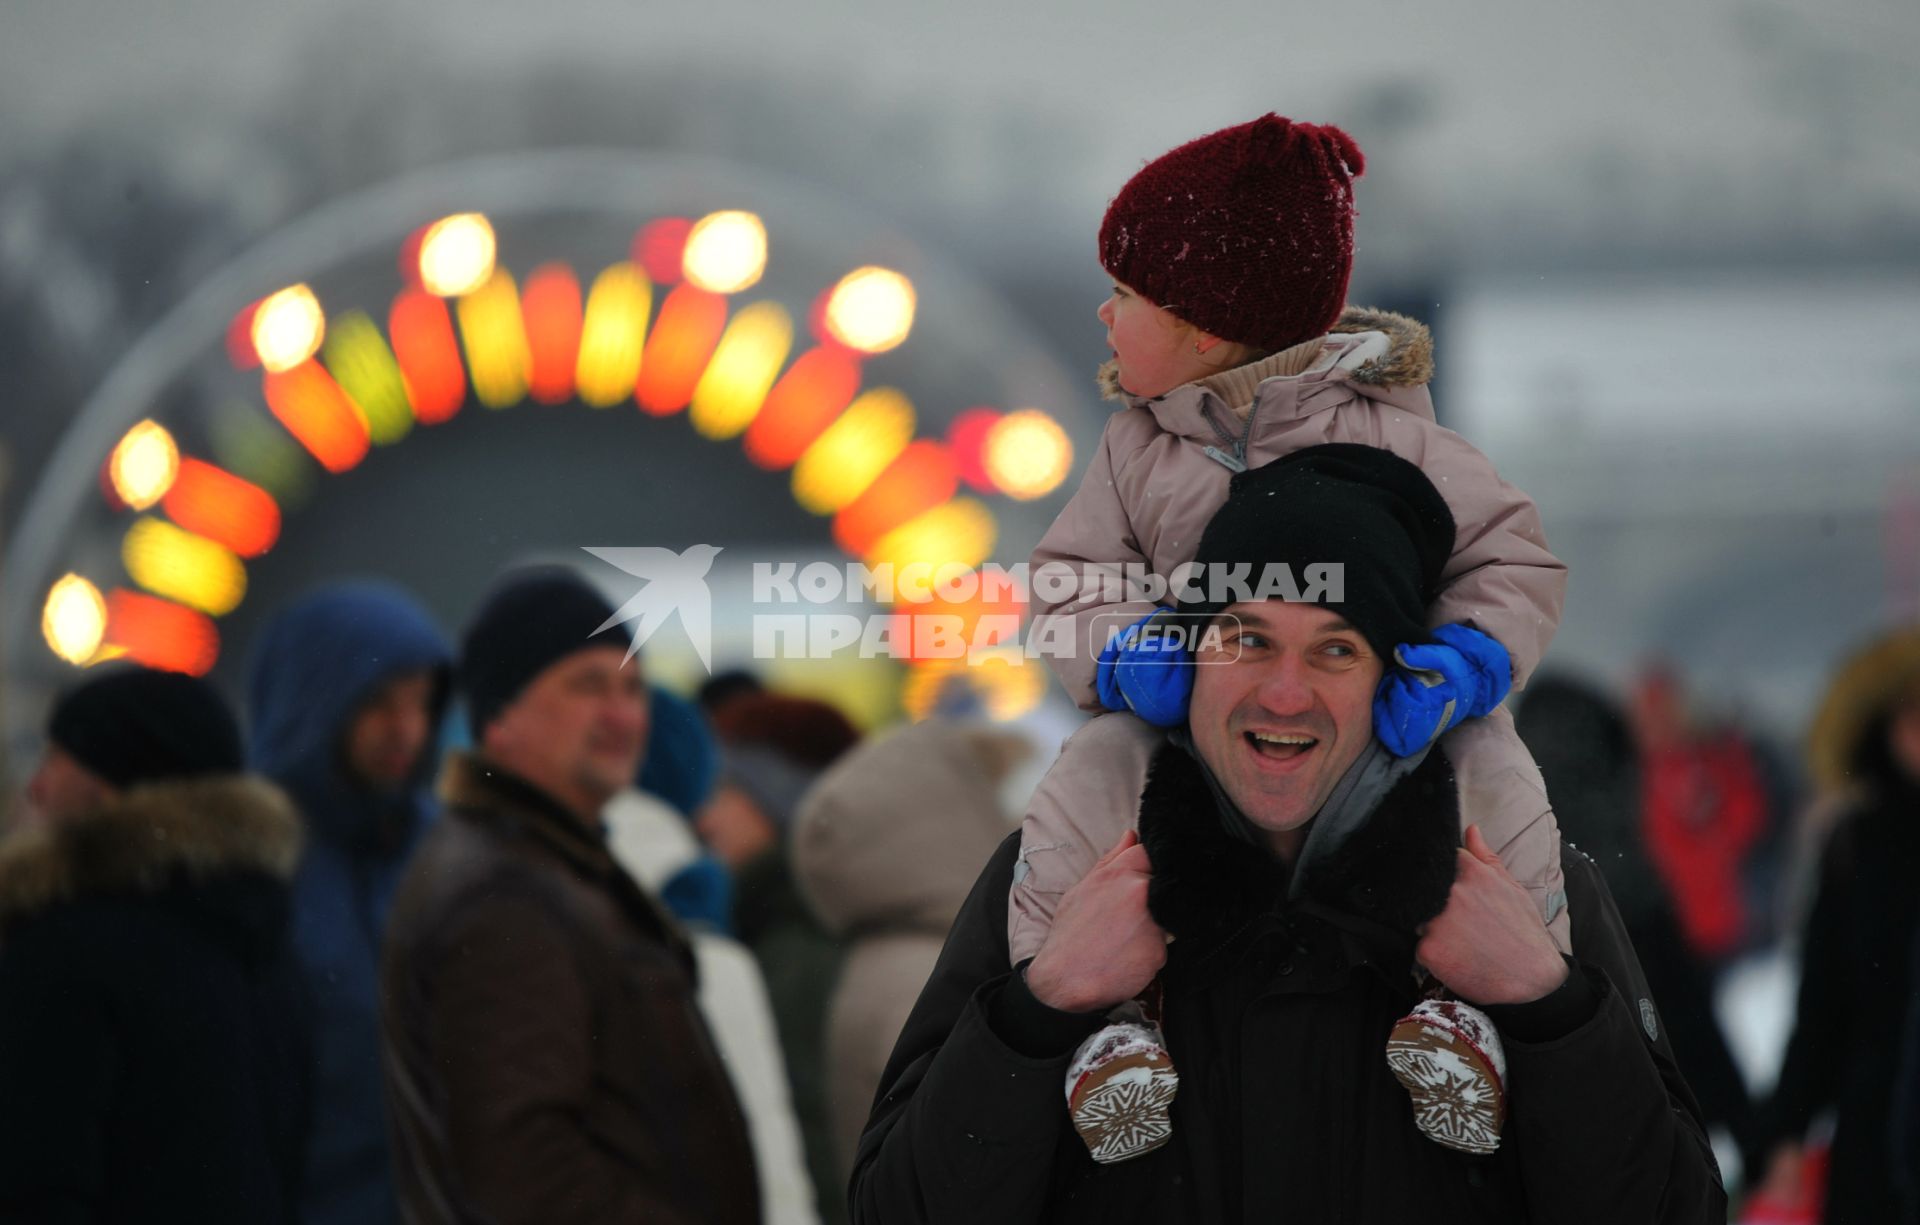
<point>1234,347</point>
<point>151,1011</point>
<point>545,1056</point>
<point>773,747</point>
<point>130,727</point>
<point>1279,894</point>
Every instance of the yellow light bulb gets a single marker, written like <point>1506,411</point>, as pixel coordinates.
<point>744,366</point>
<point>144,465</point>
<point>74,620</point>
<point>958,532</point>
<point>1027,454</point>
<point>871,310</point>
<point>853,452</point>
<point>180,566</point>
<point>457,254</point>
<point>288,328</point>
<point>726,252</point>
<point>495,334</point>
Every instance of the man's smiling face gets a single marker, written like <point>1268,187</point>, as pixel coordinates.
<point>1282,708</point>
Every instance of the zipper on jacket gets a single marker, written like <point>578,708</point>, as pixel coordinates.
<point>1224,460</point>
<point>1236,462</point>
<point>1246,436</point>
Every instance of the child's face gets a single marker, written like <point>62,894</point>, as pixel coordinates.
<point>1153,348</point>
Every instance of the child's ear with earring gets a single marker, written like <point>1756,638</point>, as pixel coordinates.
<point>1222,354</point>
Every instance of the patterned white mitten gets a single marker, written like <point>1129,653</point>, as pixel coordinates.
<point>1449,1057</point>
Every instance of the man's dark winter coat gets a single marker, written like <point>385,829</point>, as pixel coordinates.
<point>546,1058</point>
<point>152,1019</point>
<point>1277,1015</point>
<point>1586,753</point>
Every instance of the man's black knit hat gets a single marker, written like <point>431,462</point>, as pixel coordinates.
<point>1367,511</point>
<point>533,618</point>
<point>139,725</point>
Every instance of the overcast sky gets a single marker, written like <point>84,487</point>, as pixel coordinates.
<point>1504,83</point>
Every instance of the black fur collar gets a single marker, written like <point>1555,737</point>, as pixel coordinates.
<point>1395,870</point>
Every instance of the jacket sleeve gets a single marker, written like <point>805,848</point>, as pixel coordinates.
<point>1810,1071</point>
<point>1089,551</point>
<point>1501,578</point>
<point>512,1022</point>
<point>965,1125</point>
<point>1604,1125</point>
<point>58,1065</point>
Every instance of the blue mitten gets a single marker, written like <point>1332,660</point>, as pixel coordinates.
<point>1148,674</point>
<point>1461,674</point>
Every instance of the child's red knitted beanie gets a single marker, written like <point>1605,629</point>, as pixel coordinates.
<point>1246,233</point>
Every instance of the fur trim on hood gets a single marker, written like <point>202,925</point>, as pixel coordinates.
<point>1394,870</point>
<point>136,843</point>
<point>1408,361</point>
<point>1858,702</point>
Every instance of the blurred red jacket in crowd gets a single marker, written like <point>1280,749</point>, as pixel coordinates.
<point>1704,807</point>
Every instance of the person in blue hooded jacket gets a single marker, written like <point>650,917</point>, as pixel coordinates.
<point>347,694</point>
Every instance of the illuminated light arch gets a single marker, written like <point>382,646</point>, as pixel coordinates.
<point>143,466</point>
<point>494,334</point>
<point>221,507</point>
<point>805,400</point>
<point>744,366</point>
<point>318,414</point>
<point>347,390</point>
<point>1026,454</point>
<point>362,363</point>
<point>679,348</point>
<point>854,451</point>
<point>661,247</point>
<point>555,317</point>
<point>74,619</point>
<point>922,478</point>
<point>613,334</point>
<point>160,633</point>
<point>429,355</point>
<point>967,439</point>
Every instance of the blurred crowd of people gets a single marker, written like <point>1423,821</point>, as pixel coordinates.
<point>1717,847</point>
<point>597,951</point>
<point>491,929</point>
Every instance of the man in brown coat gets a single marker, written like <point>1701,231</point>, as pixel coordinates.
<point>546,1060</point>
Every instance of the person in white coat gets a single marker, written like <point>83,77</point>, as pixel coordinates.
<point>654,843</point>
